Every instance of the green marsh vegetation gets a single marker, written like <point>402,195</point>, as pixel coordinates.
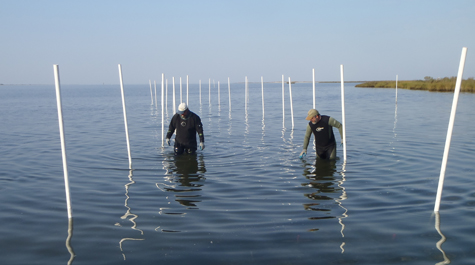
<point>446,84</point>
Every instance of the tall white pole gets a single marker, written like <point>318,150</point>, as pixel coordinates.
<point>262,89</point>
<point>343,111</point>
<point>458,83</point>
<point>174,100</point>
<point>187,88</point>
<point>229,94</point>
<point>209,92</point>
<point>151,92</point>
<point>163,109</point>
<point>291,105</point>
<point>63,143</point>
<point>181,92</point>
<point>396,88</point>
<point>125,116</point>
<point>283,102</point>
<point>313,79</point>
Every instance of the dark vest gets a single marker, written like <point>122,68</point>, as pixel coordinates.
<point>323,132</point>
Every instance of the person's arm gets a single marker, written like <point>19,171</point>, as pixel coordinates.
<point>334,123</point>
<point>199,129</point>
<point>171,128</point>
<point>306,138</point>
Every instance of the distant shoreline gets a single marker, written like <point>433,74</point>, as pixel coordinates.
<point>446,84</point>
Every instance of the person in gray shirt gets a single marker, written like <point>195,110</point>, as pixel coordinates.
<point>322,128</point>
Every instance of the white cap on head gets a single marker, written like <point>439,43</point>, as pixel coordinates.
<point>182,107</point>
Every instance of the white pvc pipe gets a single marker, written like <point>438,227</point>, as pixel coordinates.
<point>155,85</point>
<point>163,109</point>
<point>343,111</point>
<point>229,94</point>
<point>458,83</point>
<point>200,92</point>
<point>245,93</point>
<point>291,105</point>
<point>174,99</point>
<point>125,116</point>
<point>181,92</point>
<point>166,96</point>
<point>219,96</point>
<point>151,93</point>
<point>396,88</point>
<point>209,92</point>
<point>63,142</point>
<point>283,102</point>
<point>262,88</point>
<point>313,80</point>
<point>187,88</point>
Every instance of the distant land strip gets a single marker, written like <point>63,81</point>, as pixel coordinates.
<point>446,84</point>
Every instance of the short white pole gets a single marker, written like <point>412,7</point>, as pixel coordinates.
<point>63,143</point>
<point>166,96</point>
<point>151,92</point>
<point>396,88</point>
<point>187,88</point>
<point>343,111</point>
<point>181,92</point>
<point>163,109</point>
<point>458,83</point>
<point>155,86</point>
<point>291,106</point>
<point>313,80</point>
<point>209,92</point>
<point>283,102</point>
<point>200,92</point>
<point>245,92</point>
<point>219,96</point>
<point>262,89</point>
<point>229,94</point>
<point>174,99</point>
<point>125,116</point>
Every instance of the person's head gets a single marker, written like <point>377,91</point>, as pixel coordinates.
<point>313,115</point>
<point>182,109</point>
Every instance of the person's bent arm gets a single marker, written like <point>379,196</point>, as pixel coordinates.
<point>334,123</point>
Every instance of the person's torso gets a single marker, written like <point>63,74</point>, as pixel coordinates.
<point>323,132</point>
<point>186,129</point>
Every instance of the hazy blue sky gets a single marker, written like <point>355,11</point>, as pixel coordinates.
<point>374,40</point>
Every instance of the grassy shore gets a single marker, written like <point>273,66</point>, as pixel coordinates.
<point>446,84</point>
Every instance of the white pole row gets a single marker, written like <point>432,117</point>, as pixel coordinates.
<point>313,81</point>
<point>262,88</point>
<point>125,115</point>
<point>229,93</point>
<point>163,109</point>
<point>63,143</point>
<point>283,102</point>
<point>343,112</point>
<point>448,139</point>
<point>291,106</point>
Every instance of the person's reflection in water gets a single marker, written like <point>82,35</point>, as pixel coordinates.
<point>322,179</point>
<point>188,173</point>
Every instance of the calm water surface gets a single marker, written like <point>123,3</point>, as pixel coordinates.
<point>247,198</point>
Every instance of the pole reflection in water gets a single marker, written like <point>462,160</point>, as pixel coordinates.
<point>129,214</point>
<point>68,241</point>
<point>441,241</point>
<point>322,178</point>
<point>342,198</point>
<point>184,177</point>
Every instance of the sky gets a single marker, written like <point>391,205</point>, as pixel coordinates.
<point>221,39</point>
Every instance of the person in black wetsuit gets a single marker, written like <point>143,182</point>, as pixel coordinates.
<point>321,127</point>
<point>186,124</point>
